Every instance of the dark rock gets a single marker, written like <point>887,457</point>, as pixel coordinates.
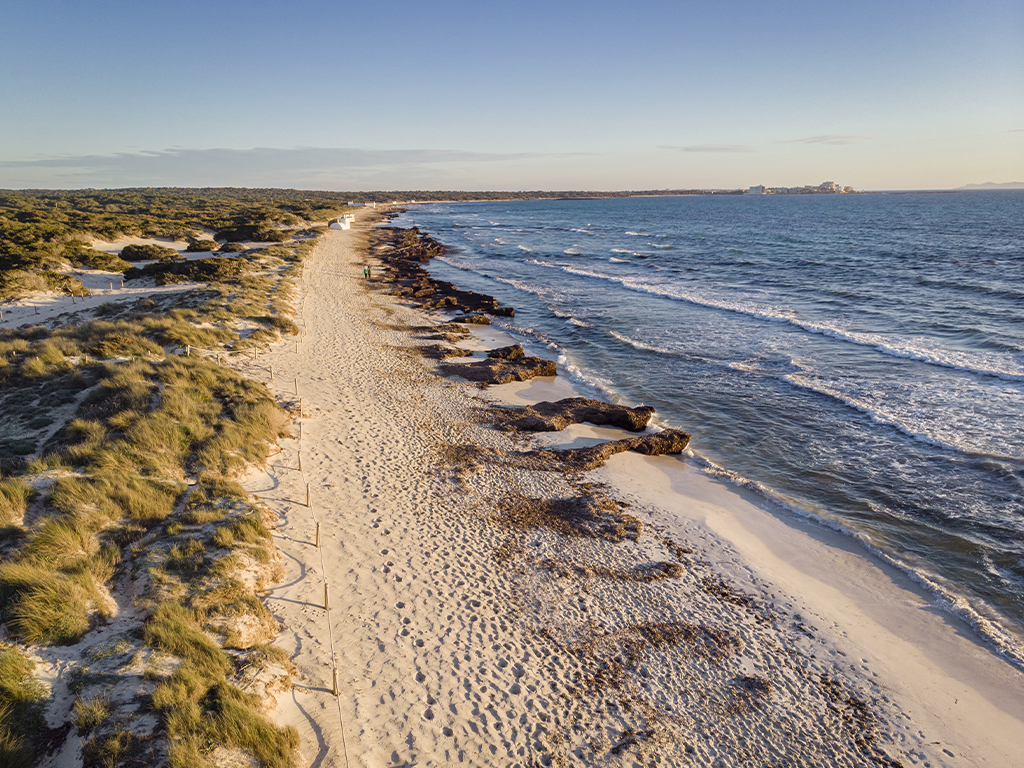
<point>441,352</point>
<point>499,370</point>
<point>472,319</point>
<point>554,417</point>
<point>668,442</point>
<point>515,352</point>
<point>403,253</point>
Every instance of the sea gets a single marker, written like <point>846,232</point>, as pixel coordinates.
<point>857,359</point>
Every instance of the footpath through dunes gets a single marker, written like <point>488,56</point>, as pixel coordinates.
<point>486,610</point>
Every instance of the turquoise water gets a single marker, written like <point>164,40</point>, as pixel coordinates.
<point>855,358</point>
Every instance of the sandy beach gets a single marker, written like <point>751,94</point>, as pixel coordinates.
<point>466,633</point>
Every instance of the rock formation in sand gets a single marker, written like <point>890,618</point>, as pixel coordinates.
<point>504,365</point>
<point>554,417</point>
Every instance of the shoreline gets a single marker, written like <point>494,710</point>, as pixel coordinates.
<point>735,544</point>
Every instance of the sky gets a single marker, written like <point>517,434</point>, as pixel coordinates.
<point>518,95</point>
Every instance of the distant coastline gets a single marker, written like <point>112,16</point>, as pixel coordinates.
<point>993,185</point>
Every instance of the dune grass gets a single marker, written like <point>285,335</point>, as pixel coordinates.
<point>22,700</point>
<point>14,498</point>
<point>145,421</point>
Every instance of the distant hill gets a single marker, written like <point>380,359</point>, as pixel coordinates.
<point>993,185</point>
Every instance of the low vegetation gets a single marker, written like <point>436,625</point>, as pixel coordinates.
<point>124,436</point>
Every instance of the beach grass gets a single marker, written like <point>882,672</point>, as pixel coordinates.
<point>143,432</point>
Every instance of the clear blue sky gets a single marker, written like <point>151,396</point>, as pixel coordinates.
<point>516,95</point>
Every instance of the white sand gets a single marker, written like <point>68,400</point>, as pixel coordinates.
<point>462,641</point>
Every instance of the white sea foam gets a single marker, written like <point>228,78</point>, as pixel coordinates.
<point>1005,365</point>
<point>641,345</point>
<point>525,248</point>
<point>966,431</point>
<point>618,261</point>
<point>944,598</point>
<point>463,265</point>
<point>521,285</point>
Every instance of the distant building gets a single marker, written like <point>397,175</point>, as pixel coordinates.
<point>758,190</point>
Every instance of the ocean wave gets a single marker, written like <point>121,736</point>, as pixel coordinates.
<point>641,345</point>
<point>1007,366</point>
<point>521,285</point>
<point>618,261</point>
<point>923,429</point>
<point>525,248</point>
<point>945,599</point>
<point>461,265</point>
<point>637,234</point>
<point>573,251</point>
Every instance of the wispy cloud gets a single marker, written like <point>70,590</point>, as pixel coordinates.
<point>1016,130</point>
<point>828,138</point>
<point>711,148</point>
<point>309,167</point>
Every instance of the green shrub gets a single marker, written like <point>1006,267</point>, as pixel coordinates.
<point>147,253</point>
<point>16,283</point>
<point>198,246</point>
<point>61,283</point>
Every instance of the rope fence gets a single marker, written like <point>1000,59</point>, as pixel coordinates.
<point>255,350</point>
<point>220,356</point>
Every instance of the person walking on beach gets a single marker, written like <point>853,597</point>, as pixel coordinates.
<point>366,272</point>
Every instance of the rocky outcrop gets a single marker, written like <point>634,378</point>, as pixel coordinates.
<point>668,442</point>
<point>403,253</point>
<point>502,366</point>
<point>442,352</point>
<point>554,417</point>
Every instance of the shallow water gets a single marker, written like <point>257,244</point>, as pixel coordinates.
<point>856,358</point>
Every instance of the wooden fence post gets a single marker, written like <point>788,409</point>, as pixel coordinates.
<point>318,535</point>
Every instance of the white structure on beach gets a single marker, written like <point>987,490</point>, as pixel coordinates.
<point>758,190</point>
<point>342,222</point>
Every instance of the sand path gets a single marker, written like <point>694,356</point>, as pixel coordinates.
<point>395,563</point>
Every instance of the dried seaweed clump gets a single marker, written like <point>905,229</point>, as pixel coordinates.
<point>595,517</point>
